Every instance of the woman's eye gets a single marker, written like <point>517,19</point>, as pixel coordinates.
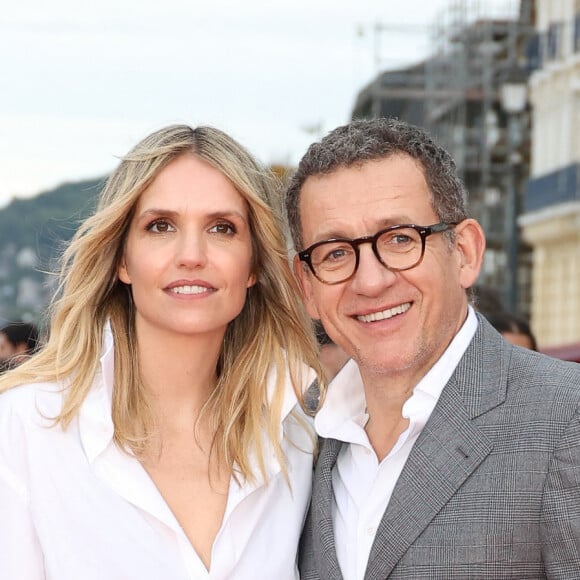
<point>223,228</point>
<point>160,227</point>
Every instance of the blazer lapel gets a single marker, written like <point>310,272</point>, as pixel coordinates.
<point>446,453</point>
<point>321,509</point>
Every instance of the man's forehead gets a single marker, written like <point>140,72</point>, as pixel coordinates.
<point>368,186</point>
<point>365,219</point>
<point>391,169</point>
<point>359,199</point>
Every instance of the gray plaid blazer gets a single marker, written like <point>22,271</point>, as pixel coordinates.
<point>491,488</point>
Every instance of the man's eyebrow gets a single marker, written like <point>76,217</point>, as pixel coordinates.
<point>381,224</point>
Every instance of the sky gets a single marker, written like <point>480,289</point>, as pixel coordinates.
<point>81,82</point>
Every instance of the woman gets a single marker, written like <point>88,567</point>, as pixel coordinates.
<point>157,434</point>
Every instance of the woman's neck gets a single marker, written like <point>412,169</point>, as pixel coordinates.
<point>179,372</point>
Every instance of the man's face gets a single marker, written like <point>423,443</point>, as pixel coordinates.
<point>391,323</point>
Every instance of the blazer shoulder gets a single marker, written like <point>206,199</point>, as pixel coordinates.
<point>552,377</point>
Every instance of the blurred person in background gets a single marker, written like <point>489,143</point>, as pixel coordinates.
<point>18,341</point>
<point>514,328</point>
<point>332,357</point>
<point>159,433</point>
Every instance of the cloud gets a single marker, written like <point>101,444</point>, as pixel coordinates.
<point>82,83</point>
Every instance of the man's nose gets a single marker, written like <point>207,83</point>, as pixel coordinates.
<point>371,274</point>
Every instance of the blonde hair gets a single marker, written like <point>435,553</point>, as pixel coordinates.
<point>272,330</point>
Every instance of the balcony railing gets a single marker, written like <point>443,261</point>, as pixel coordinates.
<point>554,188</point>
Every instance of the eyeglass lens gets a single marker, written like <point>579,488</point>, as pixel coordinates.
<point>398,249</point>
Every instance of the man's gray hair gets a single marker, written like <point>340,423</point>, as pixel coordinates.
<point>370,140</point>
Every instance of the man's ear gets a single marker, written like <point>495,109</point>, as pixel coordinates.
<point>122,272</point>
<point>470,243</point>
<point>304,278</point>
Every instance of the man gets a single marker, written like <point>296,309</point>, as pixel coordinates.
<point>18,341</point>
<point>447,452</point>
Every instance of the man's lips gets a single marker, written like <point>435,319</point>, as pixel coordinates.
<point>384,314</point>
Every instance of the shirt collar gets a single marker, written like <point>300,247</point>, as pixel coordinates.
<point>95,421</point>
<point>272,465</point>
<point>345,402</point>
<point>307,375</point>
<point>433,382</point>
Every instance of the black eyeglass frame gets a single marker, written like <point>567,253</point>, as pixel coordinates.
<point>423,231</point>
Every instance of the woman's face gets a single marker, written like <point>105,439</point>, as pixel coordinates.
<point>188,253</point>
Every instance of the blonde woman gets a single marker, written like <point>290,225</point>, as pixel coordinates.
<point>158,434</point>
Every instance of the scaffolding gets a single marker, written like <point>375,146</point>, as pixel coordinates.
<point>455,93</point>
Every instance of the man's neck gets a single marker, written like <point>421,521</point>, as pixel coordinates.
<point>385,399</point>
<point>386,392</point>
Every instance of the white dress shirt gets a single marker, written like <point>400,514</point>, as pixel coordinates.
<point>73,506</point>
<point>363,486</point>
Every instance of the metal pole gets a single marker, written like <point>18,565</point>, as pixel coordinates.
<point>512,212</point>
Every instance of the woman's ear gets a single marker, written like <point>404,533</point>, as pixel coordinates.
<point>122,272</point>
<point>470,243</point>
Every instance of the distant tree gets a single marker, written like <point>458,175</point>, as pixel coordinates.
<point>43,224</point>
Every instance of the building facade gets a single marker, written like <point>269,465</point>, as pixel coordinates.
<point>551,218</point>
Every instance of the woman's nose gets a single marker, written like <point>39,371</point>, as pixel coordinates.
<point>191,250</point>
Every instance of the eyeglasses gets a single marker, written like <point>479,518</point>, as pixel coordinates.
<point>397,248</point>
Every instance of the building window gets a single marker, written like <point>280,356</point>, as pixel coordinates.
<point>534,53</point>
<point>554,41</point>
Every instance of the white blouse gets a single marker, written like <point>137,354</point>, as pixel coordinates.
<point>74,506</point>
